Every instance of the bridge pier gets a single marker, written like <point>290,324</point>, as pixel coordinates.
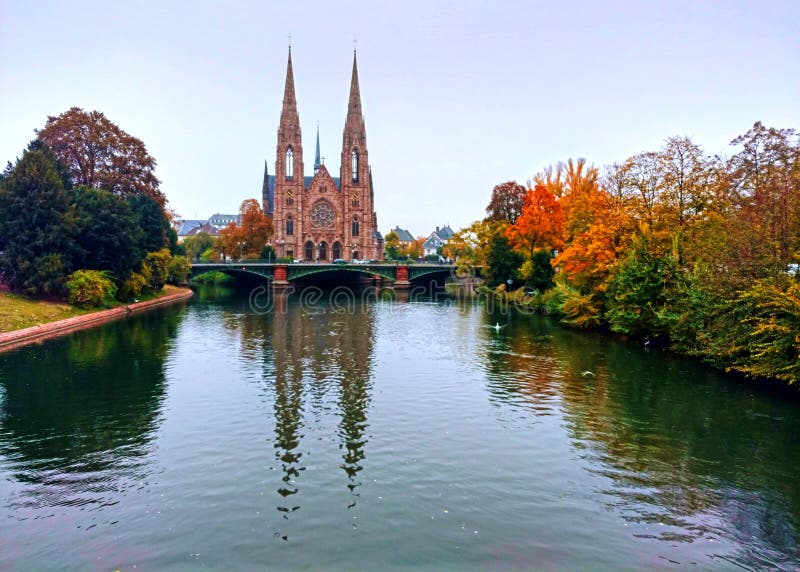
<point>402,282</point>
<point>279,281</point>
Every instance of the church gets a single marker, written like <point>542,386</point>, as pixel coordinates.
<point>322,218</point>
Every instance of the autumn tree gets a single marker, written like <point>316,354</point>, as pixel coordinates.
<point>590,255</point>
<point>765,176</point>
<point>684,180</point>
<point>414,249</point>
<point>99,154</point>
<point>506,202</point>
<point>541,224</point>
<point>248,238</point>
<point>471,244</point>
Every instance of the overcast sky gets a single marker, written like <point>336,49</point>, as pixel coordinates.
<point>458,96</point>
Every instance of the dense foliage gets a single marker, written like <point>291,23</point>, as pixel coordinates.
<point>699,252</point>
<point>247,239</point>
<point>91,289</point>
<point>101,155</point>
<point>82,208</point>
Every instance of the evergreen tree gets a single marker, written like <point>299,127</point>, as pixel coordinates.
<point>110,237</point>
<point>37,226</point>
<point>153,222</point>
<point>502,261</point>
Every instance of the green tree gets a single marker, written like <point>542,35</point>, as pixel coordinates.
<point>641,295</point>
<point>178,271</point>
<point>37,226</point>
<point>538,272</point>
<point>154,223</point>
<point>109,234</point>
<point>391,246</point>
<point>502,261</point>
<point>196,245</point>
<point>268,253</point>
<point>157,266</point>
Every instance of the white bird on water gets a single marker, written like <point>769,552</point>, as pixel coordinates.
<point>587,373</point>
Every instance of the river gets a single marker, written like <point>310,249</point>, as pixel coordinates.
<point>384,435</point>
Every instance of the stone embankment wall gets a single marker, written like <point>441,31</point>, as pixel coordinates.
<point>11,340</point>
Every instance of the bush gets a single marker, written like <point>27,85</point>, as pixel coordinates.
<point>132,287</point>
<point>267,253</point>
<point>158,263</point>
<point>579,310</point>
<point>553,299</point>
<point>91,289</point>
<point>773,335</point>
<point>179,268</point>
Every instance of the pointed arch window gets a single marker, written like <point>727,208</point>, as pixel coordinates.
<point>354,165</point>
<point>289,164</point>
<point>289,225</point>
<point>354,227</point>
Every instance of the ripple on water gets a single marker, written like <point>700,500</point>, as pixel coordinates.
<point>401,435</point>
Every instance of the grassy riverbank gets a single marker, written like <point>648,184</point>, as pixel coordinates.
<point>18,312</point>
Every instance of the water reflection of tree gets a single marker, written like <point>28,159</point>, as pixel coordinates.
<point>80,412</point>
<point>683,448</point>
<point>520,360</point>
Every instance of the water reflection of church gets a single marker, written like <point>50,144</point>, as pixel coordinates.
<point>319,358</point>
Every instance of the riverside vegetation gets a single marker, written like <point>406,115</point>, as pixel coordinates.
<point>693,252</point>
<point>82,217</point>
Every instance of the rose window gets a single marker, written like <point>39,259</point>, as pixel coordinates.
<point>322,215</point>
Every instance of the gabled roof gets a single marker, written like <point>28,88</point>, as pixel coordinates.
<point>205,227</point>
<point>188,225</point>
<point>403,234</point>
<point>445,233</point>
<point>432,243</point>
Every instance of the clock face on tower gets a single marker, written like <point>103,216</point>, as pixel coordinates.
<point>322,215</point>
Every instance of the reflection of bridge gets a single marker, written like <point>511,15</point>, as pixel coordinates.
<point>281,275</point>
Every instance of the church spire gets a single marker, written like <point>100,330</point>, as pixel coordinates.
<point>317,162</point>
<point>289,111</point>
<point>354,105</point>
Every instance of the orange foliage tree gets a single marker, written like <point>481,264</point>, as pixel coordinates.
<point>541,224</point>
<point>248,238</point>
<point>590,256</point>
<point>99,154</point>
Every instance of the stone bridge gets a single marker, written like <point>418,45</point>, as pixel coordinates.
<point>281,275</point>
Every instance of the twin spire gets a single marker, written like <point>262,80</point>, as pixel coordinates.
<point>289,115</point>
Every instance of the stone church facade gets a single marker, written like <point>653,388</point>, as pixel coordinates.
<point>321,217</point>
